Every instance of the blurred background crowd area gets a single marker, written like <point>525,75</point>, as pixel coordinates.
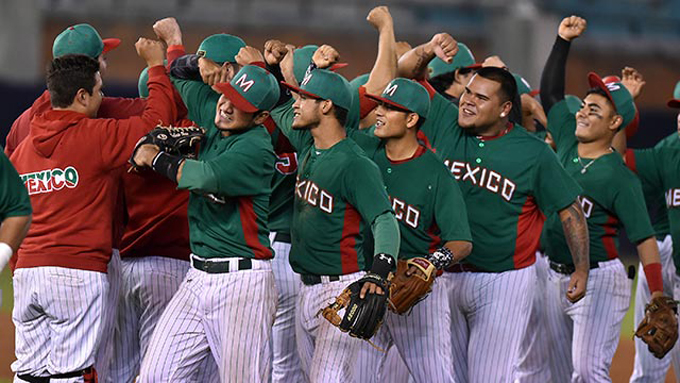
<point>639,33</point>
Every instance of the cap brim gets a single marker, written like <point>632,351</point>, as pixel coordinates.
<point>110,44</point>
<point>235,97</point>
<point>337,66</point>
<point>295,89</point>
<point>389,102</point>
<point>535,92</point>
<point>673,103</point>
<point>473,66</point>
<point>595,81</point>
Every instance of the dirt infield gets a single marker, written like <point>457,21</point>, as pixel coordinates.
<point>622,365</point>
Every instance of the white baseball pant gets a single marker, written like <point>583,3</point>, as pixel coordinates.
<point>228,316</point>
<point>584,335</point>
<point>105,351</point>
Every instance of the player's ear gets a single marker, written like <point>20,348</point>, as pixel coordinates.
<point>326,106</point>
<point>412,120</point>
<point>260,117</point>
<point>82,97</point>
<point>615,122</point>
<point>505,109</point>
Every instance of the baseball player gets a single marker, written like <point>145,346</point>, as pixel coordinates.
<point>60,320</point>
<point>584,334</point>
<point>225,306</point>
<point>449,78</point>
<point>654,167</point>
<point>432,220</point>
<point>15,212</point>
<point>508,179</point>
<point>338,195</point>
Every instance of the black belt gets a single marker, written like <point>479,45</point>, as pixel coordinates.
<point>568,269</point>
<point>282,237</point>
<point>218,267</point>
<point>311,280</point>
<point>89,374</point>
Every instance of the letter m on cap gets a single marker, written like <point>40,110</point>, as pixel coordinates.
<point>391,88</point>
<point>243,83</point>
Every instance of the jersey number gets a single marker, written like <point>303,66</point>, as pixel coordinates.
<point>286,163</point>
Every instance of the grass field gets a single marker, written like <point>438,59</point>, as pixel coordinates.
<point>622,365</point>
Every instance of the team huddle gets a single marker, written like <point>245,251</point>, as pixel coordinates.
<point>256,217</point>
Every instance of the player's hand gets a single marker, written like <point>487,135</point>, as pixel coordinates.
<point>325,56</point>
<point>145,154</point>
<point>577,286</point>
<point>494,61</point>
<point>402,47</point>
<point>572,27</point>
<point>370,288</point>
<point>287,66</point>
<point>380,18</point>
<point>633,81</point>
<point>274,51</point>
<point>533,109</point>
<point>414,270</point>
<point>249,55</point>
<point>656,294</point>
<point>444,46</point>
<point>168,30</point>
<point>152,51</point>
<point>211,72</point>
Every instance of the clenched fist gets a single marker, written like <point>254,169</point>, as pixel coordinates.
<point>152,51</point>
<point>325,56</point>
<point>380,18</point>
<point>572,27</point>
<point>444,46</point>
<point>274,51</point>
<point>248,55</point>
<point>168,30</point>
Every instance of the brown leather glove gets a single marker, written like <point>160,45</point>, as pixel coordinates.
<point>406,291</point>
<point>659,328</point>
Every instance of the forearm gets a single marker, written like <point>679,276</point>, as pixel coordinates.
<point>413,64</point>
<point>554,74</point>
<point>385,67</point>
<point>576,232</point>
<point>14,229</point>
<point>386,235</point>
<point>648,251</point>
<point>460,249</point>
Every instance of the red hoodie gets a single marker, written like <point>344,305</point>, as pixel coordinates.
<point>70,165</point>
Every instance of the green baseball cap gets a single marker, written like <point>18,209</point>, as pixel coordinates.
<point>323,84</point>
<point>573,103</point>
<point>251,89</point>
<point>405,94</point>
<point>359,81</point>
<point>142,85</point>
<point>82,39</point>
<point>618,95</point>
<point>221,48</point>
<point>462,59</point>
<point>303,56</point>
<point>523,86</point>
<point>675,101</point>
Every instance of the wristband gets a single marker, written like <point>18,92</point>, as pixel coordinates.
<point>654,279</point>
<point>5,254</point>
<point>382,265</point>
<point>167,165</point>
<point>442,258</point>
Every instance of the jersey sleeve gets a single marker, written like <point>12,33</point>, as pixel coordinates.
<point>240,171</point>
<point>14,200</point>
<point>365,189</point>
<point>450,212</point>
<point>562,125</point>
<point>553,188</point>
<point>630,208</point>
<point>283,116</point>
<point>200,101</point>
<point>645,163</point>
<point>365,140</point>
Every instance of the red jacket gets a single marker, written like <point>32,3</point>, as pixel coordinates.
<point>70,165</point>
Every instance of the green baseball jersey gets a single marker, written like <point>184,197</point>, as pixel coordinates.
<point>283,181</point>
<point>658,167</point>
<point>14,200</point>
<point>338,195</point>
<point>508,183</point>
<point>612,195</point>
<point>426,199</point>
<point>230,183</point>
<point>655,198</point>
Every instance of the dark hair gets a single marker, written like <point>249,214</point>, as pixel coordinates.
<point>68,74</point>
<point>442,82</point>
<point>419,124</point>
<point>508,91</point>
<point>604,94</point>
<point>340,114</point>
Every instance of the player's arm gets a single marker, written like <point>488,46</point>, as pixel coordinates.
<point>413,64</point>
<point>386,236</point>
<point>648,251</point>
<point>576,233</point>
<point>554,72</point>
<point>385,66</point>
<point>15,211</point>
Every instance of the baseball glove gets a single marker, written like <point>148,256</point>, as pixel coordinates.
<point>181,141</point>
<point>362,317</point>
<point>406,291</point>
<point>659,328</point>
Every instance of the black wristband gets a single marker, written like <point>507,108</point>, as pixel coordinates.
<point>167,165</point>
<point>382,265</point>
<point>442,258</point>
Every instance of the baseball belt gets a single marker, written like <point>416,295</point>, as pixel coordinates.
<point>569,269</point>
<point>219,266</point>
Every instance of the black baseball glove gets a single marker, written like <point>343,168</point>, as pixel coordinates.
<point>182,141</point>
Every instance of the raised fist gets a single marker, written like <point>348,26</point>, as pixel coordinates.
<point>168,30</point>
<point>325,56</point>
<point>211,72</point>
<point>380,17</point>
<point>444,46</point>
<point>152,51</point>
<point>274,51</point>
<point>571,27</point>
<point>248,55</point>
